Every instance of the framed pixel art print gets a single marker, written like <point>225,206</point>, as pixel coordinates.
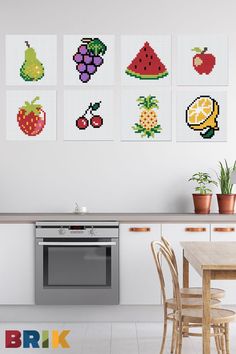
<point>146,60</point>
<point>146,114</point>
<point>201,115</point>
<point>88,114</point>
<point>31,60</point>
<point>202,60</point>
<point>31,115</point>
<point>89,60</point>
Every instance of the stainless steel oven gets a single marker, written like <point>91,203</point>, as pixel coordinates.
<point>77,263</point>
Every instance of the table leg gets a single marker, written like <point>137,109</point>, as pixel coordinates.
<point>185,285</point>
<point>185,272</point>
<point>206,284</point>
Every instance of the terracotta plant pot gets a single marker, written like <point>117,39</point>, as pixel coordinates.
<point>226,203</point>
<point>202,203</point>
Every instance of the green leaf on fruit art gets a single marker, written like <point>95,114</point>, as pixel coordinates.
<point>88,118</point>
<point>197,49</point>
<point>203,62</point>
<point>95,106</point>
<point>96,46</point>
<point>148,125</point>
<point>32,106</point>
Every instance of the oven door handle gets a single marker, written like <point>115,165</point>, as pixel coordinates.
<point>112,243</point>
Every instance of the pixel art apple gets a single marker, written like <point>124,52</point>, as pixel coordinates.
<point>203,62</point>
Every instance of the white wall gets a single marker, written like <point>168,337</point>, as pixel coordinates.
<point>109,176</point>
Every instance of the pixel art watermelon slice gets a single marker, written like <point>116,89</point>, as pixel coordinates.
<point>146,65</point>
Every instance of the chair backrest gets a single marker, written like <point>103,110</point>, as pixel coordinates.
<point>171,252</point>
<point>160,251</point>
<point>156,246</point>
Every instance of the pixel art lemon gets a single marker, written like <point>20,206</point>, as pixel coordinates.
<point>201,115</point>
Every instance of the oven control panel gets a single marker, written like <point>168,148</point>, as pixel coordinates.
<point>75,229</point>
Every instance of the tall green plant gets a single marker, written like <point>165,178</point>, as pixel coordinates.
<point>203,180</point>
<point>224,177</point>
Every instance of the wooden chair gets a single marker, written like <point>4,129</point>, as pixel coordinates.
<point>192,292</point>
<point>188,317</point>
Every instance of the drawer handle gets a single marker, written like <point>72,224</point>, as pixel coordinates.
<point>224,229</point>
<point>195,229</point>
<point>139,229</point>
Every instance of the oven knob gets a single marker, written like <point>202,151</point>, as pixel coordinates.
<point>92,233</point>
<point>62,231</point>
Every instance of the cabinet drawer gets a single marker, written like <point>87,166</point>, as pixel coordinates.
<point>223,232</point>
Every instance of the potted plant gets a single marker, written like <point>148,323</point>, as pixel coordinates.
<point>226,200</point>
<point>202,199</point>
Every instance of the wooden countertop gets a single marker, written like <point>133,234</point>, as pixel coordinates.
<point>120,217</point>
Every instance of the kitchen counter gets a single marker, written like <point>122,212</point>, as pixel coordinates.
<point>121,217</point>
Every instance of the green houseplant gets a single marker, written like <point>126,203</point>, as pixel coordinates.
<point>226,200</point>
<point>202,199</point>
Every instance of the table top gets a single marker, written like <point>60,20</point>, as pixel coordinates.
<point>210,255</point>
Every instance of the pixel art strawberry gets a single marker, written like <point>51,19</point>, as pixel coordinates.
<point>31,118</point>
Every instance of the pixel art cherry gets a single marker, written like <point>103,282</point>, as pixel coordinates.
<point>96,121</point>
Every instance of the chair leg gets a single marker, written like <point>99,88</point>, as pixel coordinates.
<point>217,340</point>
<point>227,338</point>
<point>179,336</point>
<point>222,330</point>
<point>164,332</point>
<point>173,339</point>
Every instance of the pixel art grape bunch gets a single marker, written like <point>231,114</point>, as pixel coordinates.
<point>89,57</point>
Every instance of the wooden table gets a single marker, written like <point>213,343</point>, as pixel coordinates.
<point>212,260</point>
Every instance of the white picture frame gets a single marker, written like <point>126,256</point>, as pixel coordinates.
<point>45,47</point>
<point>105,72</point>
<point>194,132</point>
<point>202,60</point>
<point>131,115</point>
<point>76,103</point>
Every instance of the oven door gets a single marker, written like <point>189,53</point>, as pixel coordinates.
<point>77,271</point>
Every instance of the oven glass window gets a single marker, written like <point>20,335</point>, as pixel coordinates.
<point>77,266</point>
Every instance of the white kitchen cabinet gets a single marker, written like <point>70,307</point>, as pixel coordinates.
<point>17,264</point>
<point>138,276</point>
<point>175,233</point>
<point>225,232</point>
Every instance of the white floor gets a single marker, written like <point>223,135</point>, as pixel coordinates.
<point>109,338</point>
